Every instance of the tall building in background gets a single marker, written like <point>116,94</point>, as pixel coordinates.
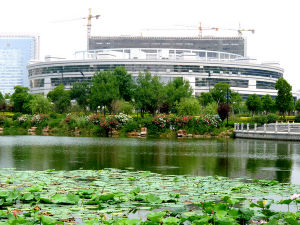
<point>235,45</point>
<point>16,50</point>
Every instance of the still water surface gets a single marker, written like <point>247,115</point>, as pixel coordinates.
<point>258,159</point>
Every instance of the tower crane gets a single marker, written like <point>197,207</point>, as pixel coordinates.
<point>201,29</point>
<point>89,25</point>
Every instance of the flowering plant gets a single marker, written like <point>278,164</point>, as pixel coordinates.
<point>162,121</point>
<point>39,118</point>
<point>122,119</point>
<point>95,118</point>
<point>23,118</point>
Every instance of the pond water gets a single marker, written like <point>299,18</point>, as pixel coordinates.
<point>259,159</point>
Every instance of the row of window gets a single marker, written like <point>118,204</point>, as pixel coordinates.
<point>156,68</point>
<point>210,82</point>
<point>36,83</point>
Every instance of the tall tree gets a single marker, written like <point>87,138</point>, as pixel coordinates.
<point>219,92</point>
<point>21,99</point>
<point>297,105</point>
<point>177,89</point>
<point>125,83</point>
<point>284,100</point>
<point>253,103</point>
<point>188,106</point>
<point>40,104</point>
<point>81,91</point>
<point>149,93</point>
<point>236,102</point>
<point>205,98</point>
<point>104,89</point>
<point>61,98</point>
<point>268,103</point>
<point>2,99</point>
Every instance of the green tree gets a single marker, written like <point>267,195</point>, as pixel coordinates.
<point>125,83</point>
<point>2,99</point>
<point>268,103</point>
<point>205,98</point>
<point>81,91</point>
<point>188,106</point>
<point>104,90</point>
<point>254,103</point>
<point>219,92</point>
<point>177,89</point>
<point>149,93</point>
<point>236,102</point>
<point>61,98</point>
<point>284,100</point>
<point>297,105</point>
<point>20,99</point>
<point>40,104</point>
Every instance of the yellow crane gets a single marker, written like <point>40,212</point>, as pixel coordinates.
<point>89,25</point>
<point>200,28</point>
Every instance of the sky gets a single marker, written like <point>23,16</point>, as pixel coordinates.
<point>62,29</point>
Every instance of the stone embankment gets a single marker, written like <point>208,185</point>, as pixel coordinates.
<point>273,131</point>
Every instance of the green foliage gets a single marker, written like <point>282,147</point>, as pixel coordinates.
<point>40,104</point>
<point>131,126</point>
<point>284,99</point>
<point>219,92</point>
<point>61,98</point>
<point>254,103</point>
<point>205,98</point>
<point>104,89</point>
<point>177,89</point>
<point>125,83</point>
<point>188,106</point>
<point>120,106</point>
<point>236,102</point>
<point>21,99</point>
<point>2,99</point>
<point>81,91</point>
<point>211,109</point>
<point>272,118</point>
<point>297,118</point>
<point>149,93</point>
<point>268,103</point>
<point>297,105</point>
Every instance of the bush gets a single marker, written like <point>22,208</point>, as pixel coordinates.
<point>272,118</point>
<point>131,126</point>
<point>16,115</point>
<point>260,120</point>
<point>297,118</point>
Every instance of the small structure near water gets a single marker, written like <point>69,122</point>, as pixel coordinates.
<point>272,131</point>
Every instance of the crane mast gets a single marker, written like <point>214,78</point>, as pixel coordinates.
<point>89,25</point>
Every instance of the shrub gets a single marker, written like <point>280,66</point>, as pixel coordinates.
<point>260,119</point>
<point>131,126</point>
<point>297,118</point>
<point>272,118</point>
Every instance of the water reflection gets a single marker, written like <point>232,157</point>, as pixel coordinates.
<point>258,159</point>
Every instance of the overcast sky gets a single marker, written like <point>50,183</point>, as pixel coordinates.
<point>62,31</point>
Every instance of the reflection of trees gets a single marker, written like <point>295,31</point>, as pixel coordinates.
<point>234,158</point>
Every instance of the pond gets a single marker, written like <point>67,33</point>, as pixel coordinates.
<point>259,159</point>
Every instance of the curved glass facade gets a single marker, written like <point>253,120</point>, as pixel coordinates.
<point>156,68</point>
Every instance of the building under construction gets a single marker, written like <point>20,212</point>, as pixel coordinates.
<point>235,45</point>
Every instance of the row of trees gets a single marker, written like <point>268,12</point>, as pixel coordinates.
<point>116,90</point>
<point>107,89</point>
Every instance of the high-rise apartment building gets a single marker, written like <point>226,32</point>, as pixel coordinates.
<point>16,50</point>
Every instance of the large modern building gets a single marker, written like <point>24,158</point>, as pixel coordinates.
<point>235,45</point>
<point>202,68</point>
<point>15,53</point>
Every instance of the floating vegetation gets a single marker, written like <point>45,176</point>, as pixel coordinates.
<point>113,196</point>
